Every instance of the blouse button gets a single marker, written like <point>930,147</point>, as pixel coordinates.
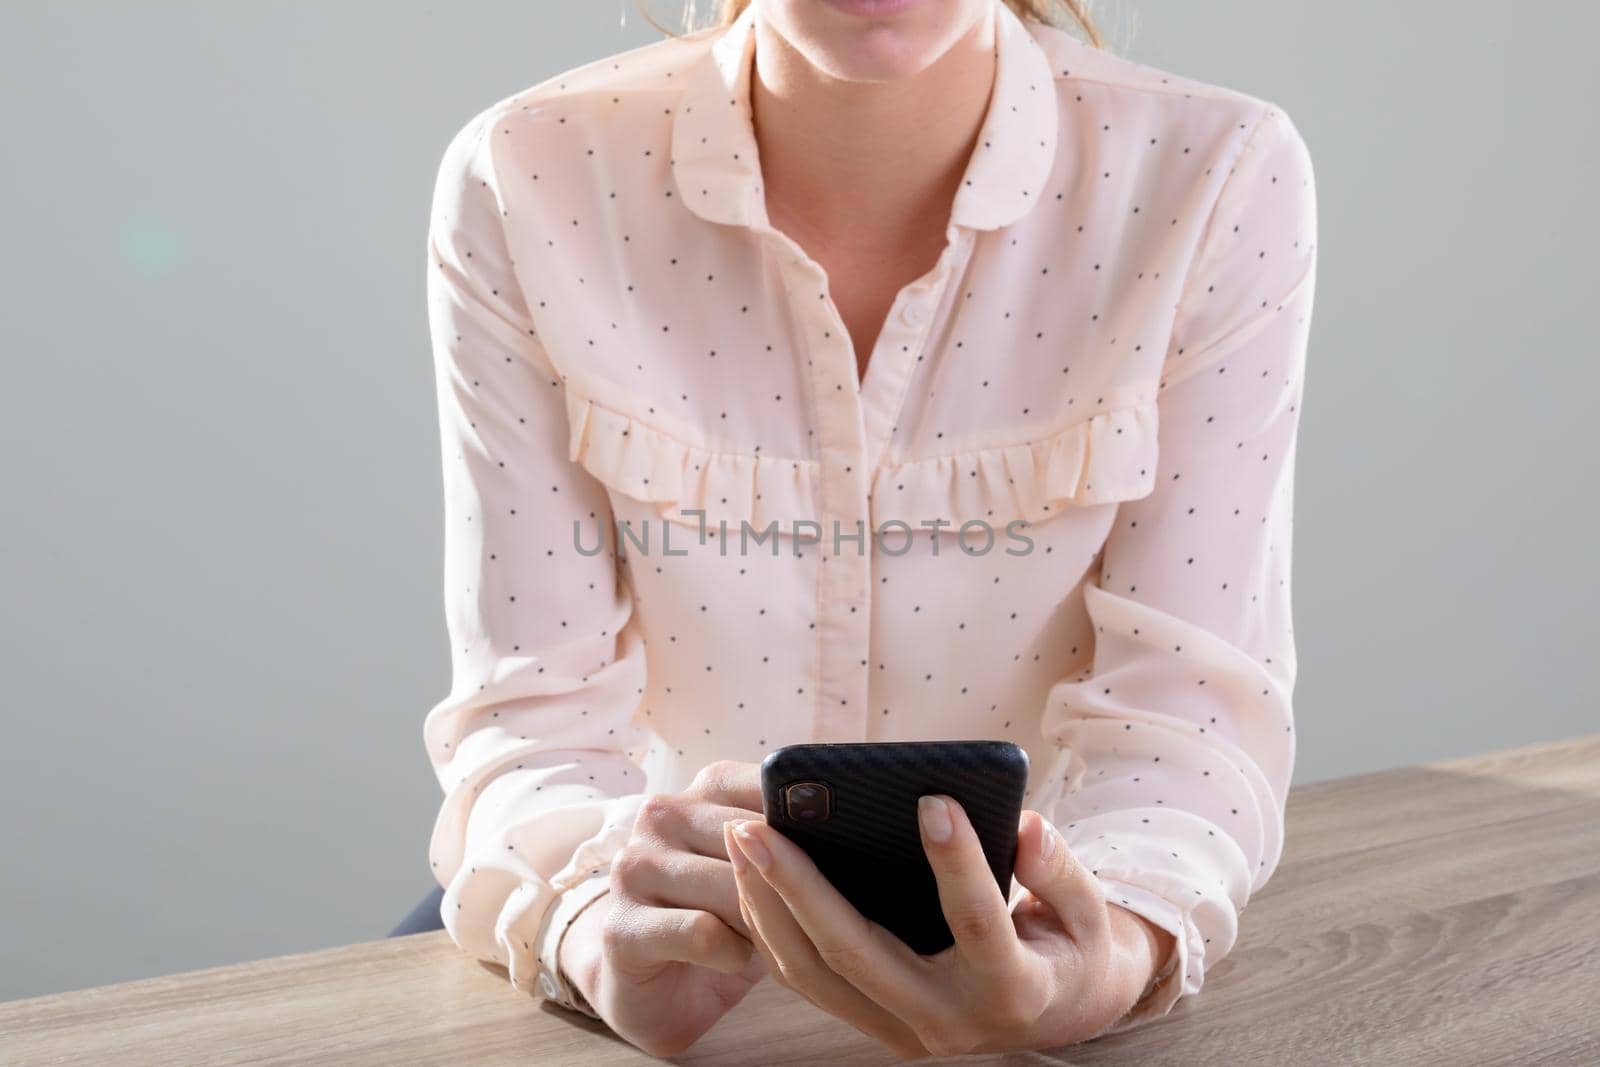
<point>912,314</point>
<point>547,984</point>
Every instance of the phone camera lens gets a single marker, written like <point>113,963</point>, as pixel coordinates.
<point>808,801</point>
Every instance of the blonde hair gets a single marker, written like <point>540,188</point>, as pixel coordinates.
<point>1062,13</point>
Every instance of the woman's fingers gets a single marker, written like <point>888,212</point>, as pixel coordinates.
<point>861,952</point>
<point>701,828</point>
<point>663,877</point>
<point>642,936</point>
<point>729,783</point>
<point>689,821</point>
<point>793,959</point>
<point>1047,868</point>
<point>972,902</point>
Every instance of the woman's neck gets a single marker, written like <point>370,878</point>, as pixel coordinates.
<point>849,162</point>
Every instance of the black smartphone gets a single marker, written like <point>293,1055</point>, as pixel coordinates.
<point>852,807</point>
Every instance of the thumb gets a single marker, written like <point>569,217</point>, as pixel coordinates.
<point>1047,868</point>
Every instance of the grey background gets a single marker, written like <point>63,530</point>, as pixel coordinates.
<point>221,559</point>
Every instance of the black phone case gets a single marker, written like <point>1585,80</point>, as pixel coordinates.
<point>870,846</point>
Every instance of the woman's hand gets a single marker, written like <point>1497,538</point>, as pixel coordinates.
<point>665,953</point>
<point>1059,968</point>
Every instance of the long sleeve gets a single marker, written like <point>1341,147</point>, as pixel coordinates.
<point>535,745</point>
<point>1181,733</point>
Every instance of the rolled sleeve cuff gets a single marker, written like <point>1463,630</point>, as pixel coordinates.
<point>1175,976</point>
<point>552,984</point>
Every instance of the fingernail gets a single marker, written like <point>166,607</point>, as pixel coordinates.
<point>1047,838</point>
<point>935,816</point>
<point>753,848</point>
<point>735,853</point>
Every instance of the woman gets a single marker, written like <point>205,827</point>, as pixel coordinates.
<point>995,342</point>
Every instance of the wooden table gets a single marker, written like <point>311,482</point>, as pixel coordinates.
<point>1447,913</point>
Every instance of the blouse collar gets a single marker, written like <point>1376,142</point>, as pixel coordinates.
<point>718,173</point>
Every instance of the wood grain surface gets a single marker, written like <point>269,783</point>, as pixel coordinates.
<point>1447,913</point>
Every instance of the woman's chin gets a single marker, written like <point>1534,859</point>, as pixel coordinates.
<point>875,9</point>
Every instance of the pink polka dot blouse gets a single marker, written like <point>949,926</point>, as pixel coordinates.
<point>1056,509</point>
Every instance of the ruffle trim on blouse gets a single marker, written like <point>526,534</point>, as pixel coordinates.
<point>645,460</point>
<point>1107,457</point>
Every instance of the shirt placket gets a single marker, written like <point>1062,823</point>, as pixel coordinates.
<point>844,560</point>
<point>903,341</point>
<point>853,421</point>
